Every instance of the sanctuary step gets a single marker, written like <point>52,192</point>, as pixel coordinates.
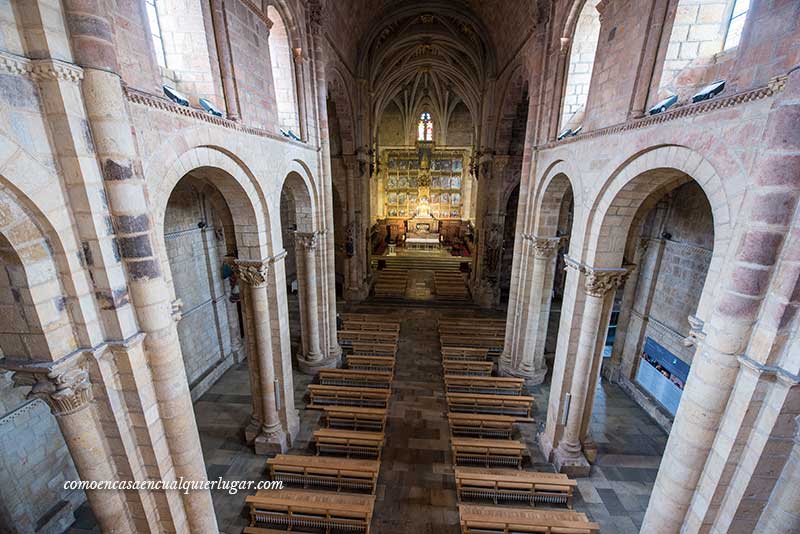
<point>452,263</point>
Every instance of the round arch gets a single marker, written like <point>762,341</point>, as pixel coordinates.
<point>559,178</point>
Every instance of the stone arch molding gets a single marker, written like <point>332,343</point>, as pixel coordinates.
<point>297,176</point>
<point>665,158</point>
<point>560,167</point>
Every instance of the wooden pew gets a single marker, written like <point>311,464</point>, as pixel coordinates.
<point>470,340</point>
<point>467,368</point>
<point>373,349</point>
<point>493,331</point>
<point>308,510</point>
<point>348,337</point>
<point>355,378</point>
<point>492,385</point>
<point>325,472</point>
<point>349,443</point>
<point>371,363</point>
<point>370,326</point>
<point>514,405</point>
<point>501,485</point>
<point>321,396</point>
<point>485,321</point>
<point>355,418</point>
<point>481,425</point>
<point>465,353</point>
<point>503,520</point>
<point>367,318</point>
<point>488,452</point>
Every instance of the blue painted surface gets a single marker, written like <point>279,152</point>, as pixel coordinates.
<point>669,361</point>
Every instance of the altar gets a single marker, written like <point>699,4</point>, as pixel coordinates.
<point>422,233</point>
<point>423,243</point>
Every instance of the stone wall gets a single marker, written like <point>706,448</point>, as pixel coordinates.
<point>459,128</point>
<point>195,259</point>
<point>34,464</point>
<point>391,131</point>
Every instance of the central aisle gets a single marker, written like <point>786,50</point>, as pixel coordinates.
<point>416,493</point>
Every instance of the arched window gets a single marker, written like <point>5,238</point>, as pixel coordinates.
<point>280,55</point>
<point>581,62</point>
<point>736,23</point>
<point>155,32</point>
<point>425,127</point>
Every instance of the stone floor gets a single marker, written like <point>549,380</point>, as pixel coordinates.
<point>416,488</point>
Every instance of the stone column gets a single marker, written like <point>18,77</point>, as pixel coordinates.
<point>271,437</point>
<point>532,366</point>
<point>225,60</point>
<point>782,513</point>
<point>67,390</point>
<point>743,286</point>
<point>91,34</point>
<point>299,76</point>
<point>306,246</point>
<point>599,286</point>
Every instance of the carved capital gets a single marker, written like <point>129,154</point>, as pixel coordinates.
<point>306,241</point>
<point>177,310</point>
<point>252,273</point>
<point>599,282</point>
<point>696,333</point>
<point>315,13</point>
<point>53,69</point>
<point>544,247</point>
<point>66,390</point>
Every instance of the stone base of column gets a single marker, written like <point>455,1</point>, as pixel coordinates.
<point>271,443</point>
<point>571,465</point>
<point>533,377</point>
<point>312,367</point>
<point>356,294</point>
<point>252,430</point>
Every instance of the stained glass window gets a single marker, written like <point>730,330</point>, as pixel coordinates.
<point>425,127</point>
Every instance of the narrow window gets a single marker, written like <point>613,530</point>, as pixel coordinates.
<point>155,32</point>
<point>736,24</point>
<point>425,127</point>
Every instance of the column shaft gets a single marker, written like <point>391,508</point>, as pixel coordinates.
<point>782,513</point>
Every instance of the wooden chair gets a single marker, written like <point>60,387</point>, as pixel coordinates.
<point>504,485</point>
<point>355,418</point>
<point>467,368</point>
<point>321,396</point>
<point>349,443</point>
<point>478,425</point>
<point>492,385</point>
<point>518,406</point>
<point>355,378</point>
<point>307,511</point>
<point>325,472</point>
<point>501,520</point>
<point>488,452</point>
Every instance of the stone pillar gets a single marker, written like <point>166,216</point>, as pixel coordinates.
<point>532,366</point>
<point>299,77</point>
<point>66,388</point>
<point>271,437</point>
<point>782,513</point>
<point>91,33</point>
<point>306,246</point>
<point>743,286</point>
<point>225,60</point>
<point>599,286</point>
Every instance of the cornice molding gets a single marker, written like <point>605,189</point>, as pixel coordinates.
<point>40,69</point>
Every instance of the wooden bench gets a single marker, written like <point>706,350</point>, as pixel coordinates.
<point>371,363</point>
<point>368,318</point>
<point>321,396</point>
<point>488,452</point>
<point>467,367</point>
<point>514,405</point>
<point>325,472</point>
<point>481,425</point>
<point>477,341</point>
<point>493,385</point>
<point>500,485</point>
<point>471,321</point>
<point>349,443</point>
<point>373,349</point>
<point>308,510</point>
<point>370,326</point>
<point>454,330</point>
<point>355,378</point>
<point>355,418</point>
<point>502,520</point>
<point>349,337</point>
<point>465,353</point>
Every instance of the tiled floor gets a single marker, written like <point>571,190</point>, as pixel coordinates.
<point>416,490</point>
